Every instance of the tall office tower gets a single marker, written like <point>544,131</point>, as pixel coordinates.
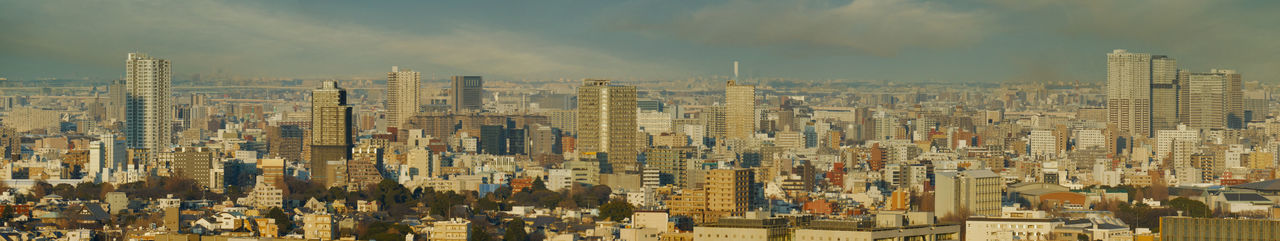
<point>740,101</point>
<point>465,94</point>
<point>148,111</point>
<point>607,124</point>
<point>1207,102</point>
<point>402,95</point>
<point>1164,93</point>
<point>493,139</point>
<point>1234,98</point>
<point>116,93</point>
<point>330,129</point>
<point>728,193</point>
<point>975,191</point>
<point>1129,92</point>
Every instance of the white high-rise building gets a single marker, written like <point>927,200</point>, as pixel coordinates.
<point>1043,143</point>
<point>105,155</point>
<point>402,95</point>
<point>1167,141</point>
<point>1129,92</point>
<point>1089,138</point>
<point>148,112</point>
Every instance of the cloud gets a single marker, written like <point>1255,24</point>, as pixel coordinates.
<point>874,27</point>
<point>253,40</point>
<point>1201,34</point>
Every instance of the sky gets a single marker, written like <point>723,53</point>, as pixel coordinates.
<point>1002,41</point>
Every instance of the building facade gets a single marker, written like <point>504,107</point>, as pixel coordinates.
<point>148,112</point>
<point>402,95</point>
<point>607,124</point>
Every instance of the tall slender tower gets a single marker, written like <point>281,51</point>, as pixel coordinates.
<point>607,123</point>
<point>330,129</point>
<point>1165,90</point>
<point>402,95</point>
<point>740,103</point>
<point>465,94</point>
<point>148,110</point>
<point>1129,92</point>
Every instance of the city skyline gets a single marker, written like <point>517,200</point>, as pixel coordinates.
<point>729,120</point>
<point>1013,41</point>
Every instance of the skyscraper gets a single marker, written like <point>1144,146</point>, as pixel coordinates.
<point>116,101</point>
<point>1129,92</point>
<point>330,129</point>
<point>740,101</point>
<point>148,110</point>
<point>607,123</point>
<point>465,94</point>
<point>1207,102</point>
<point>402,95</point>
<point>1234,98</point>
<point>1164,93</point>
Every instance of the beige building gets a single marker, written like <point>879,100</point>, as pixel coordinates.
<point>742,229</point>
<point>33,119</point>
<point>1129,92</point>
<point>607,124</point>
<point>402,95</point>
<point>995,229</point>
<point>1194,229</point>
<point>740,116</point>
<point>319,226</point>
<point>727,192</point>
<point>831,230</point>
<point>976,192</point>
<point>195,163</point>
<point>452,230</point>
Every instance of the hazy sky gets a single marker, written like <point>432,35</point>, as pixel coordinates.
<point>900,40</point>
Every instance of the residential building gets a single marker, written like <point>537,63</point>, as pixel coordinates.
<point>607,124</point>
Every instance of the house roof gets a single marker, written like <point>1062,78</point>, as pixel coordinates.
<point>1272,185</point>
<point>1245,197</point>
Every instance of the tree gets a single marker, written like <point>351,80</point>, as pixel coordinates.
<point>478,234</point>
<point>959,216</point>
<point>1190,207</point>
<point>283,222</point>
<point>616,210</point>
<point>515,231</point>
<point>384,231</point>
<point>484,204</point>
<point>538,184</point>
<point>7,214</point>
